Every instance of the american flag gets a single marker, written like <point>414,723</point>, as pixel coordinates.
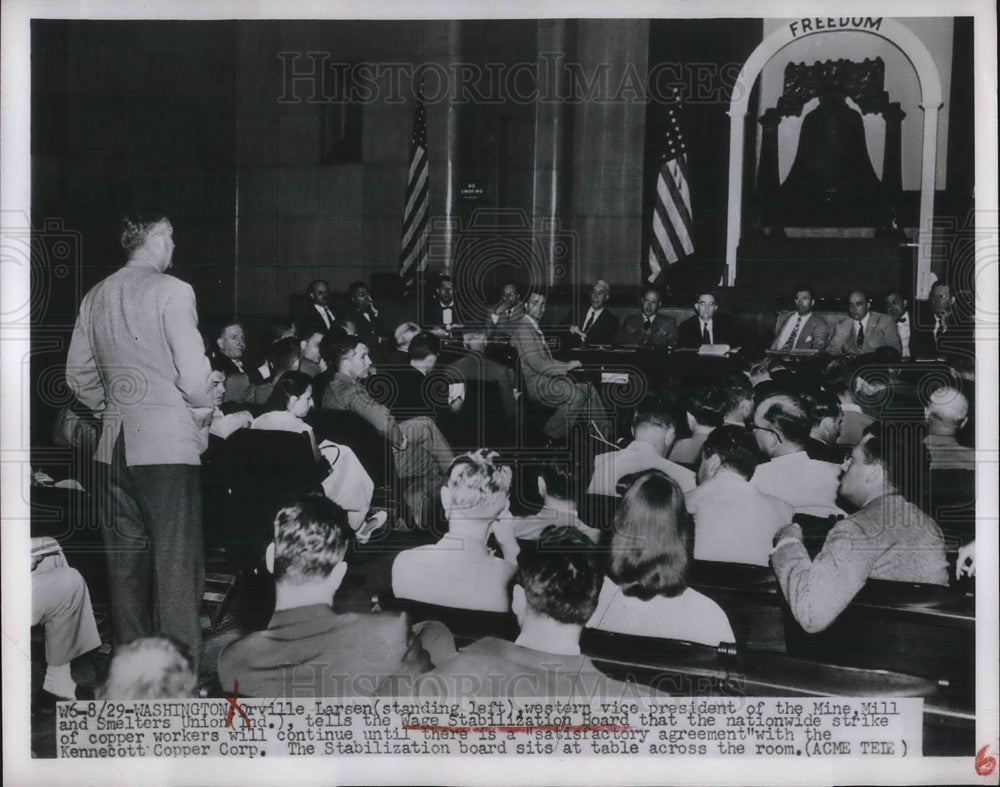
<point>672,226</point>
<point>416,205</point>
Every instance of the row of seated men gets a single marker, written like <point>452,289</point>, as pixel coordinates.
<point>754,474</point>
<point>939,325</point>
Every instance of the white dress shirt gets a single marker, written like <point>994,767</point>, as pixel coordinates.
<point>807,485</point>
<point>702,325</point>
<point>733,521</point>
<point>633,458</point>
<point>797,320</point>
<point>903,329</point>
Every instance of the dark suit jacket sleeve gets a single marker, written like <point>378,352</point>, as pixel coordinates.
<point>604,328</point>
<point>628,333</point>
<point>666,331</point>
<point>688,335</point>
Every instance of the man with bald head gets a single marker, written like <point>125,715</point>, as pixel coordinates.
<point>946,414</point>
<point>865,331</point>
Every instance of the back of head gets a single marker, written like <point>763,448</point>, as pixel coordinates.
<point>948,409</point>
<point>736,448</point>
<point>899,448</point>
<point>404,333</point>
<point>477,483</point>
<point>284,355</point>
<point>150,668</point>
<point>651,545</point>
<point>424,345</point>
<point>278,328</point>
<point>707,402</point>
<point>135,228</point>
<point>288,384</point>
<point>562,578</point>
<point>560,481</point>
<point>786,414</point>
<point>821,403</point>
<point>738,389</point>
<point>310,537</point>
<point>653,412</point>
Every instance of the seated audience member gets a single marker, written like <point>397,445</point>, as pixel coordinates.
<point>645,591</point>
<point>897,307</point>
<point>648,328</point>
<point>442,311</point>
<point>887,538</point>
<point>347,484</point>
<point>283,356</point>
<point>865,331</point>
<point>317,317</point>
<point>705,405</point>
<point>414,396</point>
<point>733,521</point>
<point>556,484</point>
<point>654,430</point>
<point>801,329</point>
<point>782,425</point>
<point>705,327</point>
<point>739,394</point>
<point>150,668</point>
<point>506,314</point>
<point>404,333</point>
<point>460,570</point>
<point>344,326</point>
<point>942,330</point>
<point>827,418</point>
<point>370,326</point>
<point>546,380</point>
<point>224,424</point>
<point>60,602</point>
<point>946,414</point>
<point>227,357</point>
<point>840,379</point>
<point>278,328</point>
<point>475,366</point>
<point>554,595</point>
<point>308,650</point>
<point>597,325</point>
<point>419,450</point>
<point>311,362</point>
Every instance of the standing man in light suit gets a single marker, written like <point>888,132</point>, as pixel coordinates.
<point>137,358</point>
<point>546,379</point>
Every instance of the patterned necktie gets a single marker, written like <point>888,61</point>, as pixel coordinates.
<point>788,345</point>
<point>589,321</point>
<point>861,335</point>
<point>705,338</point>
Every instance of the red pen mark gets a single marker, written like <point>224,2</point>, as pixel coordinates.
<point>539,727</point>
<point>984,765</point>
<point>234,706</point>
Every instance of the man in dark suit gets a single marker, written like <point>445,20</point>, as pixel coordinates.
<point>506,314</point>
<point>319,317</point>
<point>648,328</point>
<point>371,327</point>
<point>801,329</point>
<point>308,650</point>
<point>555,593</point>
<point>442,310</point>
<point>598,325</point>
<point>865,331</point>
<point>940,329</point>
<point>705,327</point>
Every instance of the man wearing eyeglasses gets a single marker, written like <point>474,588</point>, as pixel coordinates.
<point>706,327</point>
<point>782,424</point>
<point>887,538</point>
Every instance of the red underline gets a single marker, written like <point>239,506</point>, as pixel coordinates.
<point>540,728</point>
